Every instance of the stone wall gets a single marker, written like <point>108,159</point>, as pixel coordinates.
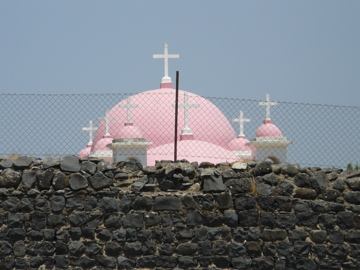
<point>88,214</point>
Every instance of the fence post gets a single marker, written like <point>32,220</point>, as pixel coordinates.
<point>176,115</point>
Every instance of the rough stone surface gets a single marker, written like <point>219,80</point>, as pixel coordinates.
<point>100,181</point>
<point>264,216</point>
<point>23,162</point>
<point>58,181</point>
<point>10,178</point>
<point>212,181</point>
<point>77,182</point>
<point>70,164</point>
<point>163,203</point>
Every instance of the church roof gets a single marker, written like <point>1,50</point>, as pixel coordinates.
<point>239,144</point>
<point>85,152</point>
<point>153,113</point>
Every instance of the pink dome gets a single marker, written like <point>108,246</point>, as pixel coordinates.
<point>130,131</point>
<point>100,145</point>
<point>268,129</point>
<point>154,116</point>
<point>191,150</point>
<point>85,152</point>
<point>239,144</point>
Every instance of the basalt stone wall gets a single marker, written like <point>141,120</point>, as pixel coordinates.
<point>88,214</point>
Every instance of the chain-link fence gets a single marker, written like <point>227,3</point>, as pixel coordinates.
<point>209,129</point>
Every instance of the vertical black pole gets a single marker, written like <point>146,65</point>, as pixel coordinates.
<point>176,115</point>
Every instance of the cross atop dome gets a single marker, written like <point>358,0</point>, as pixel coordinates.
<point>187,130</point>
<point>90,129</point>
<point>128,107</point>
<point>166,80</point>
<point>107,121</point>
<point>241,121</point>
<point>267,105</point>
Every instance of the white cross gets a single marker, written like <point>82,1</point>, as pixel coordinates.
<point>128,107</point>
<point>90,128</point>
<point>187,130</point>
<point>107,120</point>
<point>241,121</point>
<point>165,56</point>
<point>267,105</point>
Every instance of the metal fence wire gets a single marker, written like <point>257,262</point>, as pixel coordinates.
<point>209,129</point>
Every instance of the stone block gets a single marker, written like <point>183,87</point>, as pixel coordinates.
<point>273,235</point>
<point>100,181</point>
<point>248,218</point>
<point>77,182</point>
<point>23,162</point>
<point>70,164</point>
<point>187,248</point>
<point>169,203</point>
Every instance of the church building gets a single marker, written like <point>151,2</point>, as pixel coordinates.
<point>141,128</point>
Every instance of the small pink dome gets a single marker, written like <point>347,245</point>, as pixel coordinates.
<point>85,152</point>
<point>130,131</point>
<point>239,144</point>
<point>191,150</point>
<point>268,129</point>
<point>100,145</point>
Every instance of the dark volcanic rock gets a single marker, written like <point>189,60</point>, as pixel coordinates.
<point>44,178</point>
<point>318,236</point>
<point>306,193</point>
<point>126,263</point>
<point>302,180</point>
<point>76,248</point>
<point>139,184</point>
<point>319,180</point>
<point>58,181</point>
<point>187,248</point>
<point>77,182</point>
<point>57,203</point>
<point>248,218</point>
<point>212,181</point>
<point>29,179</point>
<point>6,163</point>
<point>290,169</point>
<point>352,197</point>
<point>242,185</point>
<point>5,248</point>
<point>189,202</point>
<point>262,168</point>
<point>23,162</point>
<point>108,204</point>
<point>224,201</point>
<point>353,183</point>
<point>70,164</point>
<point>271,179</point>
<point>163,203</point>
<point>10,178</point>
<point>100,181</point>
<point>88,166</point>
<point>274,235</point>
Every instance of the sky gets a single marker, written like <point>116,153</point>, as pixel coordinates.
<point>298,51</point>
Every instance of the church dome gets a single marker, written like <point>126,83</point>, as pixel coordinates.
<point>191,150</point>
<point>100,145</point>
<point>85,152</point>
<point>268,129</point>
<point>129,131</point>
<point>239,144</point>
<point>153,113</point>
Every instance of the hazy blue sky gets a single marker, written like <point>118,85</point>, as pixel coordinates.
<point>298,51</point>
